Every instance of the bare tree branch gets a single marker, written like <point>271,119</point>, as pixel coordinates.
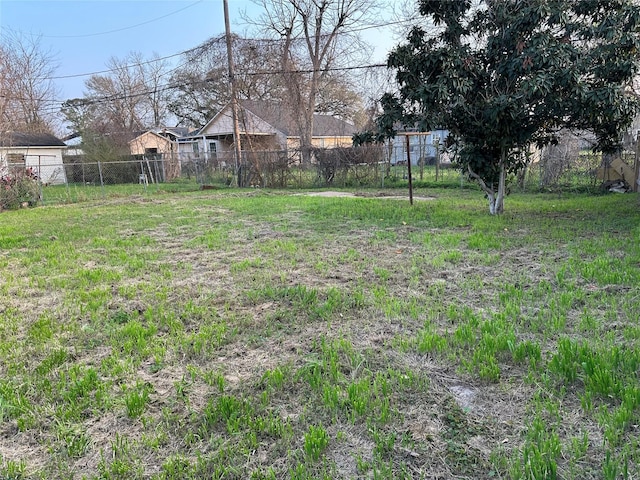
<point>316,34</point>
<point>25,93</point>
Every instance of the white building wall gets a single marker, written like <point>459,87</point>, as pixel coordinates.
<point>45,161</point>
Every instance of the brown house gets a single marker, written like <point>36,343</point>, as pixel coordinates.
<point>159,144</point>
<point>159,141</point>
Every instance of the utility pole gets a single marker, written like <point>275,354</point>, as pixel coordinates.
<point>234,96</point>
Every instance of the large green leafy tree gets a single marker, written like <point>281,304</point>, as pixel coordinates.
<point>502,75</point>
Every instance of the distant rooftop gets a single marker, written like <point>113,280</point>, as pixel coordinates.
<point>20,139</point>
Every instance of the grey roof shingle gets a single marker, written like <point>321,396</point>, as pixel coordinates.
<point>283,120</point>
<point>21,139</point>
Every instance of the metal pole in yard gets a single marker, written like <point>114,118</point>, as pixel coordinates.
<point>409,170</point>
<point>636,165</point>
<point>437,157</point>
<point>155,168</point>
<point>421,158</point>
<point>40,193</point>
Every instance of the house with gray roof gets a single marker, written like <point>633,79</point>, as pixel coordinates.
<point>264,126</point>
<point>42,152</point>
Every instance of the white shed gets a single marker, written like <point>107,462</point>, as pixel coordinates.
<point>40,151</point>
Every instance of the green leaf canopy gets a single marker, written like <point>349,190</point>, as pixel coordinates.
<point>501,75</point>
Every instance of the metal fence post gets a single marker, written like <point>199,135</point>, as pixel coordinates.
<point>101,180</point>
<point>155,168</point>
<point>66,182</point>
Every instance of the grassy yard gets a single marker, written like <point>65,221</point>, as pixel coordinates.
<point>259,335</point>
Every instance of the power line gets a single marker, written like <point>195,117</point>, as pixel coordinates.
<point>203,47</point>
<point>119,29</point>
<point>61,77</point>
<point>112,69</point>
<point>114,97</point>
<point>87,102</point>
<point>311,70</point>
<point>153,60</point>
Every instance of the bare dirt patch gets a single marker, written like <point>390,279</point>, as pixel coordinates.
<point>337,194</point>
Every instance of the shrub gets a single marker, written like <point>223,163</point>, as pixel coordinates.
<point>19,188</point>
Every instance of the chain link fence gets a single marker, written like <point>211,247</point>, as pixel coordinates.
<point>378,166</point>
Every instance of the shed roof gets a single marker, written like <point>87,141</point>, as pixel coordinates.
<point>22,139</point>
<point>147,133</point>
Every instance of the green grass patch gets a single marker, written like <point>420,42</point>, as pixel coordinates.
<point>232,334</point>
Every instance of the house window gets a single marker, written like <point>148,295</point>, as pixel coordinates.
<point>196,149</point>
<point>16,159</point>
<point>213,149</point>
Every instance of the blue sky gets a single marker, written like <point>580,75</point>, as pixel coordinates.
<point>83,35</point>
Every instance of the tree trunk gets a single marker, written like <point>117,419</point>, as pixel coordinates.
<point>499,202</point>
<point>496,198</point>
<point>522,176</point>
<point>306,137</point>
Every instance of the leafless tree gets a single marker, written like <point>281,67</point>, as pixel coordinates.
<point>27,92</point>
<point>372,83</point>
<point>316,37</point>
<point>202,81</point>
<point>4,87</point>
<point>155,74</point>
<point>335,97</point>
<point>131,96</point>
<point>118,98</point>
